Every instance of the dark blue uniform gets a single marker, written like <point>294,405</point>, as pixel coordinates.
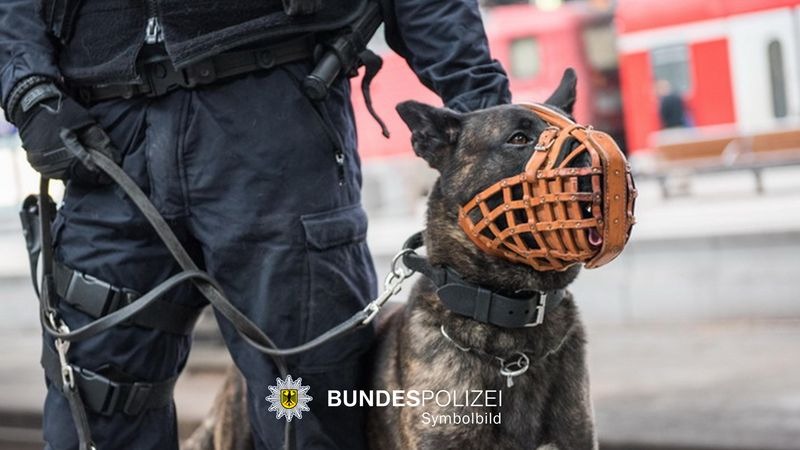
<point>248,178</point>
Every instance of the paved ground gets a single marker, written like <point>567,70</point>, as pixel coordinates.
<point>717,385</point>
<point>725,385</point>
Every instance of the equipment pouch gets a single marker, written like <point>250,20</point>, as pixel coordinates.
<point>60,16</point>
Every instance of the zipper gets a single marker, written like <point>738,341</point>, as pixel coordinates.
<point>152,30</point>
<point>152,34</point>
<point>324,121</point>
<point>336,140</point>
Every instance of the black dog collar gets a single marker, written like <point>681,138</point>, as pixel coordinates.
<point>477,302</point>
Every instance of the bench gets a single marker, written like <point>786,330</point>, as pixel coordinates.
<point>715,149</point>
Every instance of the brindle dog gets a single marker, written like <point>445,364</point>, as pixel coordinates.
<point>549,405</point>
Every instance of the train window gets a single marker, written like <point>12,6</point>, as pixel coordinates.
<point>601,48</point>
<point>777,78</point>
<point>672,64</point>
<point>525,58</point>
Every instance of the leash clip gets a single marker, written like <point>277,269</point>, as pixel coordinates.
<point>62,347</point>
<point>392,285</point>
<point>67,374</point>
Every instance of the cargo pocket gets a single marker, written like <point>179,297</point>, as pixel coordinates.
<point>342,281</point>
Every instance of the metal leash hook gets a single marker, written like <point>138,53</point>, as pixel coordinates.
<point>69,388</point>
<point>392,285</point>
<point>67,375</point>
<point>62,347</point>
<point>514,368</point>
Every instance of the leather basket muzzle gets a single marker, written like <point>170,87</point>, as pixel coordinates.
<point>572,204</point>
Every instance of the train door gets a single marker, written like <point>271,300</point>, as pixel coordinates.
<point>764,64</point>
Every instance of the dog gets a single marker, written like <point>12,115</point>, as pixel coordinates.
<point>421,346</point>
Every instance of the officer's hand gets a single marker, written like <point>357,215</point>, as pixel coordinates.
<point>40,129</point>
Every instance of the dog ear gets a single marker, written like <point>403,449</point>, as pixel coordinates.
<point>564,95</point>
<point>434,131</point>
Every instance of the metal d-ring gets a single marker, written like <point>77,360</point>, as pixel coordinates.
<point>515,368</point>
<point>397,263</point>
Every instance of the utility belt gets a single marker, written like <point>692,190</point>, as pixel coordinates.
<point>160,77</point>
<point>341,56</point>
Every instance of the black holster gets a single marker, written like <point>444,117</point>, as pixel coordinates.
<point>30,218</point>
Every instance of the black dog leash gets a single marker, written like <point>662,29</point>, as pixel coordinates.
<point>206,284</point>
<point>463,298</point>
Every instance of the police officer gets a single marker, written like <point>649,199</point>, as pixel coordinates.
<point>201,103</point>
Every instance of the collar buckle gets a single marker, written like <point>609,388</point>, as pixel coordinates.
<point>540,310</point>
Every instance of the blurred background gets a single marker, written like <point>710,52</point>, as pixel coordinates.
<point>694,331</point>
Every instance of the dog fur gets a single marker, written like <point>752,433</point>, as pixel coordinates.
<point>549,406</point>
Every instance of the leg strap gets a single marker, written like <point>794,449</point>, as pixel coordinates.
<point>98,298</point>
<point>104,396</point>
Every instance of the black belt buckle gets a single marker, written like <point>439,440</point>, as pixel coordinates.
<point>162,77</point>
<point>96,297</point>
<point>98,392</point>
<point>104,396</point>
<point>89,294</point>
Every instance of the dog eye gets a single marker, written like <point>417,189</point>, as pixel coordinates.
<point>519,138</point>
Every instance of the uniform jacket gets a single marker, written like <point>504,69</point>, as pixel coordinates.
<point>97,41</point>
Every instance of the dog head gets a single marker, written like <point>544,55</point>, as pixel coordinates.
<point>471,152</point>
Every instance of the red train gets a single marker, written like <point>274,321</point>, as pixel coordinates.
<point>736,63</point>
<point>528,42</point>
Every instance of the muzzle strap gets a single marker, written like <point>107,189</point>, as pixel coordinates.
<point>619,196</point>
